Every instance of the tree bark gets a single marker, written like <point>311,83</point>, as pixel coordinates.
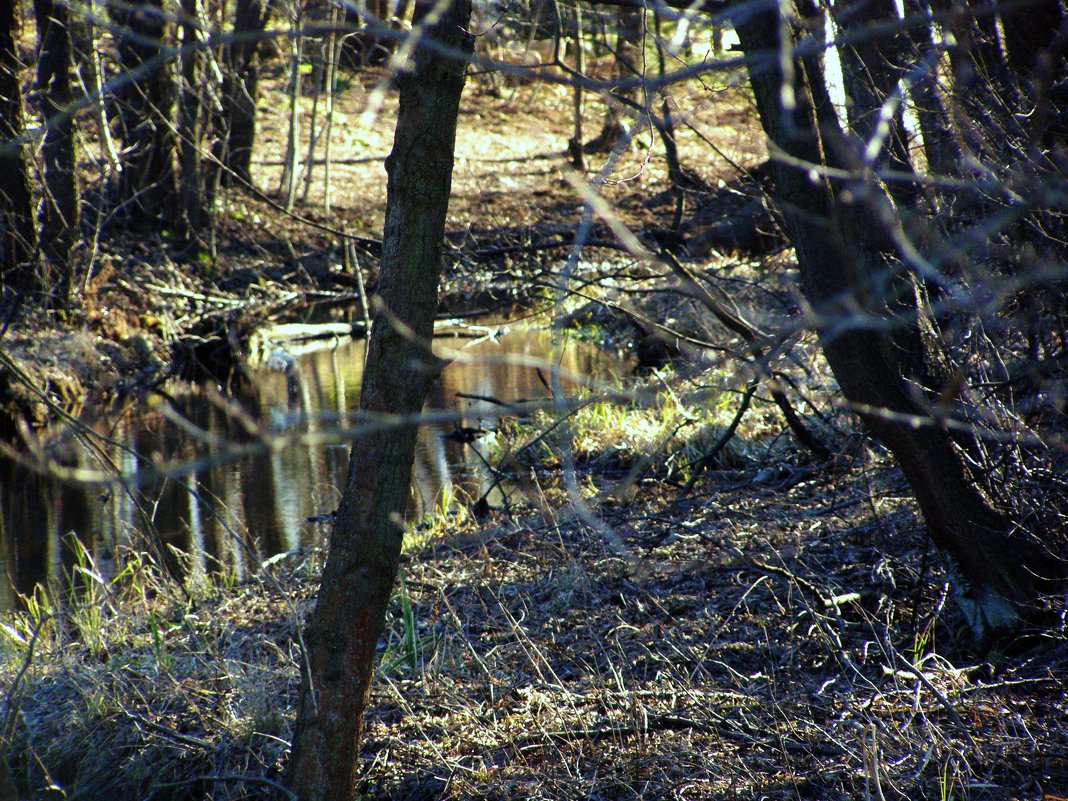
<point>872,68</point>
<point>365,544</point>
<point>60,210</point>
<point>884,365</point>
<point>194,187</point>
<point>241,89</point>
<point>940,148</point>
<point>144,112</point>
<point>18,234</point>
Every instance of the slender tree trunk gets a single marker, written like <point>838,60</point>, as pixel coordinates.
<point>194,214</point>
<point>365,545</point>
<point>291,160</point>
<point>18,234</point>
<point>60,210</point>
<point>1000,571</point>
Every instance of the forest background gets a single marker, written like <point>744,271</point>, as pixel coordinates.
<point>812,545</point>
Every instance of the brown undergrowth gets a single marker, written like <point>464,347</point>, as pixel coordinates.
<point>767,637</point>
<point>780,633</point>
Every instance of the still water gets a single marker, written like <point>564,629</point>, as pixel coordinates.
<point>231,514</point>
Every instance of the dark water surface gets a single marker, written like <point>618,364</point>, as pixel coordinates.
<point>234,513</point>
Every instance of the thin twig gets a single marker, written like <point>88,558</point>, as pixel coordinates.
<point>926,682</point>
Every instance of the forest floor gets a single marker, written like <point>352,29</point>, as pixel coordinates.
<point>781,631</point>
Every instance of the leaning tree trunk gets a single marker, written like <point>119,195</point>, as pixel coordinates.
<point>1000,572</point>
<point>60,212</point>
<point>365,545</point>
<point>18,234</point>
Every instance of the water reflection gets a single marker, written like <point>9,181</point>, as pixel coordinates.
<point>233,514</point>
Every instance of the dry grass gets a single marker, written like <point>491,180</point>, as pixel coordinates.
<point>780,634</point>
<point>704,659</point>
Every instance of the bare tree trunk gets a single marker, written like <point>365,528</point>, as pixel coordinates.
<point>18,234</point>
<point>145,108</point>
<point>1000,570</point>
<point>291,161</point>
<point>241,88</point>
<point>939,146</point>
<point>365,545</point>
<point>333,52</point>
<point>195,194</point>
<point>60,210</point>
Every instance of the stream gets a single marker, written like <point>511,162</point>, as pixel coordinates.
<point>231,513</point>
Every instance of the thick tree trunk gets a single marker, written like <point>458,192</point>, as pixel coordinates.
<point>1000,572</point>
<point>144,112</point>
<point>18,234</point>
<point>60,211</point>
<point>939,145</point>
<point>872,68</point>
<point>365,544</point>
<point>1036,38</point>
<point>241,89</point>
